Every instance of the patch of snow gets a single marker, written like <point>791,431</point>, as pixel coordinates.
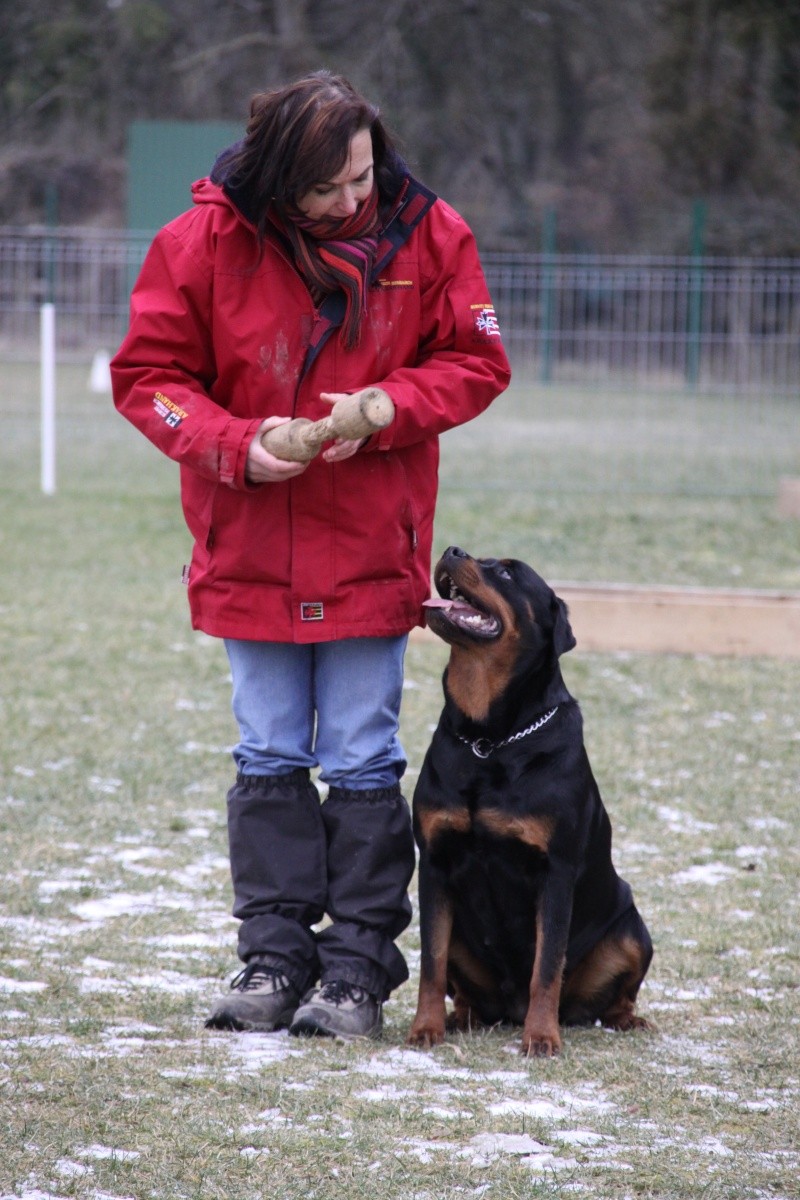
<point>681,822</point>
<point>579,1137</point>
<point>774,823</point>
<point>106,1152</point>
<point>422,1149</point>
<point>180,941</point>
<point>72,1170</point>
<point>59,764</point>
<point>749,853</point>
<point>715,1147</point>
<point>447,1114</point>
<point>559,1107</point>
<point>123,904</point>
<point>51,887</point>
<point>93,985</point>
<point>98,964</point>
<point>168,981</point>
<point>31,1194</point>
<point>202,748</point>
<point>21,985</point>
<point>495,1144</point>
<point>485,1148</point>
<point>760,1106</point>
<point>385,1093</point>
<point>706,873</point>
<point>107,786</point>
<point>134,854</point>
<point>270,1116</point>
<point>255,1051</point>
<point>396,1061</point>
<point>716,719</point>
<point>715,1093</point>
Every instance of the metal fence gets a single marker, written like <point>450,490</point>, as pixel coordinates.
<point>86,274</point>
<point>712,325</point>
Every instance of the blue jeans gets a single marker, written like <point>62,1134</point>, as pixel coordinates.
<point>335,705</point>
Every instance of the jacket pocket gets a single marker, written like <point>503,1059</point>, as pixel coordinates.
<point>247,536</point>
<point>376,525</point>
<point>198,499</point>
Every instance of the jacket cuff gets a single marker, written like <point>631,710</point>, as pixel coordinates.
<point>234,444</point>
<point>384,438</point>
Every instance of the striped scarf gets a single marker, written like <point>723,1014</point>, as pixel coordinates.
<point>334,254</point>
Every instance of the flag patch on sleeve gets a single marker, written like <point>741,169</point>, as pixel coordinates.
<point>484,321</point>
<point>168,410</point>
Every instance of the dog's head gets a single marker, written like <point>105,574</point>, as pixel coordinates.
<point>503,622</point>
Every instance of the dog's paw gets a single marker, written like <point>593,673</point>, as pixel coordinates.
<point>425,1036</point>
<point>540,1045</point>
<point>628,1021</point>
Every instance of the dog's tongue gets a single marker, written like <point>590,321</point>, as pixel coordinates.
<point>440,602</point>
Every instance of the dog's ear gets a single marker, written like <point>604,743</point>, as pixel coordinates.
<point>563,637</point>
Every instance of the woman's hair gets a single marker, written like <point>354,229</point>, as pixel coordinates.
<point>299,136</point>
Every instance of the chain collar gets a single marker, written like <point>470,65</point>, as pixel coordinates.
<point>482,747</point>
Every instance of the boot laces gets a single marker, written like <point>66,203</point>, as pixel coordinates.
<point>340,990</point>
<point>255,975</point>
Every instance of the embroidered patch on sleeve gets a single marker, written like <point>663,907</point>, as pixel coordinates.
<point>485,321</point>
<point>168,410</point>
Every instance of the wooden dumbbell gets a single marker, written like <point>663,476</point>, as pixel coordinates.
<point>356,416</point>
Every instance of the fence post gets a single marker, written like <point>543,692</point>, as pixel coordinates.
<point>546,294</point>
<point>51,221</point>
<point>695,311</point>
<point>47,360</point>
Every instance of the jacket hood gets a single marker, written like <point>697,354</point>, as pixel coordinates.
<point>240,196</point>
<point>205,191</point>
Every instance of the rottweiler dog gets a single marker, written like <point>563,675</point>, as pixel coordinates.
<point>523,918</point>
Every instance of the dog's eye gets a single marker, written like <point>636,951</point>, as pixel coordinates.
<point>502,571</point>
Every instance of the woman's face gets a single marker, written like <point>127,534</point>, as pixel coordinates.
<point>340,197</point>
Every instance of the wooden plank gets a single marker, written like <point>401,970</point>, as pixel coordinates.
<point>610,617</point>
<point>789,497</point>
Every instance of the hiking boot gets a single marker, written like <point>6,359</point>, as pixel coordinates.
<point>261,998</point>
<point>338,1009</point>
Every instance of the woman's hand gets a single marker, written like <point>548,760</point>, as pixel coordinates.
<point>342,448</point>
<point>263,467</point>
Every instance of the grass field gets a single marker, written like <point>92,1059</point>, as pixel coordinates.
<point>669,489</point>
<point>115,931</point>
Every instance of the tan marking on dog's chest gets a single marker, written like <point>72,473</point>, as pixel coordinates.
<point>434,822</point>
<point>535,832</point>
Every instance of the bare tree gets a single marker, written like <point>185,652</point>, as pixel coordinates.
<point>610,115</point>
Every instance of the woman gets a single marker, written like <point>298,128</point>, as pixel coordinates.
<point>312,266</point>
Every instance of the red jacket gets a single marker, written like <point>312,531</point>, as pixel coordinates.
<point>217,342</point>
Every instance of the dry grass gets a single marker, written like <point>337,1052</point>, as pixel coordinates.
<point>114,899</point>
